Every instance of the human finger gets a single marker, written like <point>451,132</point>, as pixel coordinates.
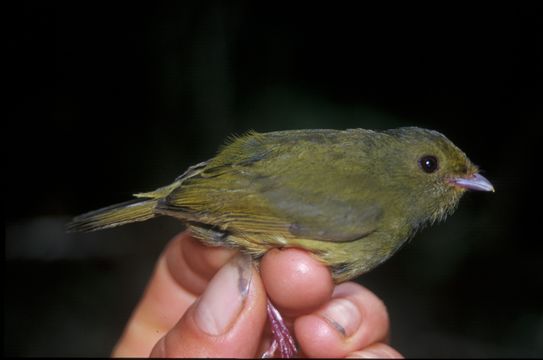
<point>296,282</point>
<point>180,276</point>
<point>376,351</point>
<point>226,321</point>
<point>352,320</point>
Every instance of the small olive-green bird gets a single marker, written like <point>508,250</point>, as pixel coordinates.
<point>351,197</point>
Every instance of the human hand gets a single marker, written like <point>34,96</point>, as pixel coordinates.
<point>211,302</point>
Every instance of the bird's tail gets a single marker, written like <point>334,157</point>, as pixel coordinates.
<point>115,215</point>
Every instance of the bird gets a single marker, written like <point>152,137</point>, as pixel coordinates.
<point>350,197</point>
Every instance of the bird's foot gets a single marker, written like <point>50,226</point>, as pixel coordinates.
<point>281,335</point>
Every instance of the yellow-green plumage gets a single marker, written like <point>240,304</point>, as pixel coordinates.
<point>351,197</point>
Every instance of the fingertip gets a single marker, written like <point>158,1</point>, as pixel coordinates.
<point>226,321</point>
<point>353,319</point>
<point>295,281</point>
<point>376,351</point>
<point>178,278</point>
<point>192,264</point>
<point>203,259</point>
<point>316,337</point>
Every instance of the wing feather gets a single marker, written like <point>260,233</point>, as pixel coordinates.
<point>255,186</point>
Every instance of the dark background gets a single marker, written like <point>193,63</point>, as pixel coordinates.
<point>121,98</point>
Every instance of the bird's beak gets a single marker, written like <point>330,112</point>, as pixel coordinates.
<point>474,182</point>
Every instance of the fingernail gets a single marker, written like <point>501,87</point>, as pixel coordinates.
<point>343,315</point>
<point>223,299</point>
<point>375,353</point>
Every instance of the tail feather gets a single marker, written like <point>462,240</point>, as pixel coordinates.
<point>115,215</point>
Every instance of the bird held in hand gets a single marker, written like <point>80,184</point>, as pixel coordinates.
<point>350,197</point>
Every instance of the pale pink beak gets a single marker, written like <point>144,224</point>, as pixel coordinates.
<point>475,182</point>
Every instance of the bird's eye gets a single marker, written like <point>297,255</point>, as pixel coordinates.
<point>428,163</point>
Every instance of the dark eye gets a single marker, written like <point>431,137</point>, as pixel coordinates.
<point>428,163</point>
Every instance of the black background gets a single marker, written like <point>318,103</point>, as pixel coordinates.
<point>109,100</point>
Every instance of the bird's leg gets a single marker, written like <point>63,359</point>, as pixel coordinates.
<point>281,335</point>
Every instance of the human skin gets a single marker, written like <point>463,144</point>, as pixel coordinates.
<point>211,302</point>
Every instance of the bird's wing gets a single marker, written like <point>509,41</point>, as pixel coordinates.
<point>277,191</point>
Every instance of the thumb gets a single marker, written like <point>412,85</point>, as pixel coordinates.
<point>226,321</point>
